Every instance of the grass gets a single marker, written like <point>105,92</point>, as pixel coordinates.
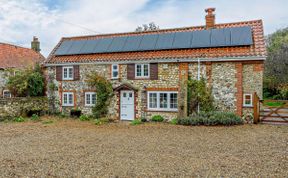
<point>274,103</point>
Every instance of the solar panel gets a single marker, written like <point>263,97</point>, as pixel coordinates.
<point>148,42</point>
<point>117,44</point>
<point>201,39</point>
<point>88,47</point>
<point>103,45</point>
<point>132,43</point>
<point>182,40</point>
<point>63,48</point>
<point>165,41</point>
<point>236,36</point>
<point>241,36</point>
<point>76,47</point>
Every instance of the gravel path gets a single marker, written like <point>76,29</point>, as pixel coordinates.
<point>68,148</point>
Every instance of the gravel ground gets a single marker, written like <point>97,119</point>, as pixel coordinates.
<point>68,148</point>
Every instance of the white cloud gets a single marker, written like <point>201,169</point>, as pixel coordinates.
<point>22,19</point>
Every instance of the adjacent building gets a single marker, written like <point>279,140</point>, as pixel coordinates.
<point>14,58</point>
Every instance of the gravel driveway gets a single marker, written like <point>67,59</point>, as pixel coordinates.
<point>68,148</point>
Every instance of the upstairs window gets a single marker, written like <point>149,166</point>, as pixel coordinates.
<point>67,73</point>
<point>142,70</point>
<point>6,94</point>
<point>68,99</point>
<point>90,98</point>
<point>115,71</point>
<point>247,100</point>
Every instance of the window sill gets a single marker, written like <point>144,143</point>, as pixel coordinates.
<point>247,106</point>
<point>171,111</point>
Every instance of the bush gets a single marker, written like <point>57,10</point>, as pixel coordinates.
<point>143,119</point>
<point>101,121</point>
<point>84,118</point>
<point>174,121</point>
<point>75,112</point>
<point>32,112</point>
<point>136,122</point>
<point>157,118</point>
<point>35,117</point>
<point>19,119</point>
<point>211,118</point>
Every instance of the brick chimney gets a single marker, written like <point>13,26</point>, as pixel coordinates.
<point>210,18</point>
<point>35,44</point>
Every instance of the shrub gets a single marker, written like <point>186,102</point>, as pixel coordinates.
<point>84,118</point>
<point>31,112</point>
<point>75,112</point>
<point>157,118</point>
<point>101,121</point>
<point>19,119</point>
<point>35,117</point>
<point>174,121</point>
<point>211,118</point>
<point>136,122</point>
<point>143,119</point>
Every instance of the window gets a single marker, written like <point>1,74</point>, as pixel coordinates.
<point>67,73</point>
<point>166,101</point>
<point>247,100</point>
<point>90,98</point>
<point>68,99</point>
<point>6,94</point>
<point>115,71</point>
<point>142,70</point>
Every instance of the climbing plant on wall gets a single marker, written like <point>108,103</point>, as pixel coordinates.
<point>199,93</point>
<point>104,93</point>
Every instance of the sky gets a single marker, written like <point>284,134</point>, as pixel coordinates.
<point>50,20</point>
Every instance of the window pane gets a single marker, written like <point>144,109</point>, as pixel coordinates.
<point>65,73</point>
<point>163,100</point>
<point>93,99</point>
<point>173,101</point>
<point>70,72</point>
<point>70,99</point>
<point>65,99</point>
<point>115,74</point>
<point>115,67</point>
<point>146,68</point>
<point>138,70</point>
<point>247,97</point>
<point>88,99</point>
<point>152,100</point>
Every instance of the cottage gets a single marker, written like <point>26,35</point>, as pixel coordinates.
<point>149,69</point>
<point>14,58</point>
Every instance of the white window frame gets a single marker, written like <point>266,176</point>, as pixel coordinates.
<point>68,104</point>
<point>90,93</point>
<point>4,94</point>
<point>142,71</point>
<point>244,99</point>
<point>114,70</point>
<point>68,77</point>
<point>158,101</point>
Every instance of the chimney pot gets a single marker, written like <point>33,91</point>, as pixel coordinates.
<point>35,44</point>
<point>210,18</point>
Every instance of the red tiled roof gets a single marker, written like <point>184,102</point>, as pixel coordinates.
<point>12,56</point>
<point>258,49</point>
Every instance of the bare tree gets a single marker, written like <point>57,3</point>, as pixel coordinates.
<point>147,27</point>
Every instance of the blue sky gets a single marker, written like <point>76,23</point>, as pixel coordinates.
<point>50,20</point>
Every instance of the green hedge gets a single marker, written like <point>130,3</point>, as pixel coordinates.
<point>211,118</point>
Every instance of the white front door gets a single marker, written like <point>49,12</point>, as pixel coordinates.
<point>127,105</point>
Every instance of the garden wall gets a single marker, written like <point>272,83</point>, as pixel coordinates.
<point>13,107</point>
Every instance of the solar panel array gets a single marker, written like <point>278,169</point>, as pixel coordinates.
<point>238,36</point>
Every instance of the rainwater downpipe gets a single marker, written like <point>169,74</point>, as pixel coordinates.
<point>198,78</point>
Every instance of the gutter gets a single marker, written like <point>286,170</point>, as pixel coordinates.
<point>173,60</point>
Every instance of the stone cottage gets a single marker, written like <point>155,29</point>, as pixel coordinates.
<point>149,69</point>
<point>14,58</point>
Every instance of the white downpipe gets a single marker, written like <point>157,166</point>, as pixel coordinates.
<point>198,78</point>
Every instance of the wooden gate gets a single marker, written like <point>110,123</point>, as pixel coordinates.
<point>277,114</point>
